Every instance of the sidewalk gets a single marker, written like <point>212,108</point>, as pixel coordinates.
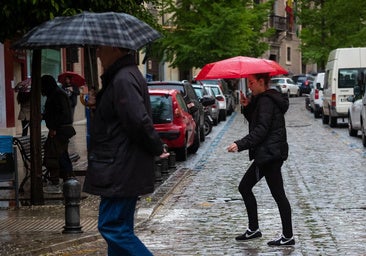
<point>35,230</point>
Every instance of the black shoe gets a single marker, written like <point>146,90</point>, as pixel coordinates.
<point>249,235</point>
<point>282,241</point>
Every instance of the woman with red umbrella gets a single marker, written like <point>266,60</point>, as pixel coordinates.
<point>267,145</point>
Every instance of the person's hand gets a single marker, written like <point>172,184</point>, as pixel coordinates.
<point>91,97</point>
<point>232,148</point>
<point>165,153</point>
<point>244,101</point>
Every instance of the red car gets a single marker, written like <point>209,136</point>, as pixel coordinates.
<point>172,121</point>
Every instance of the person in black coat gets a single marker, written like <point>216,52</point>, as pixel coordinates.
<point>123,146</point>
<point>267,145</point>
<point>58,117</point>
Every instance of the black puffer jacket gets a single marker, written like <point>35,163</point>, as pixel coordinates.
<point>123,139</point>
<point>267,139</point>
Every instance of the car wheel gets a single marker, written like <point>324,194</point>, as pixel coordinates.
<point>298,93</point>
<point>352,132</point>
<point>332,121</point>
<point>182,153</point>
<point>325,119</point>
<point>222,115</point>
<point>363,133</point>
<point>196,143</point>
<point>317,113</point>
<point>208,127</point>
<point>202,133</point>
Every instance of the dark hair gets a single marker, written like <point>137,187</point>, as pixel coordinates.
<point>265,76</point>
<point>23,97</point>
<point>48,84</point>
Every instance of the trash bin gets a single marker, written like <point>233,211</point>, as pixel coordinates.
<point>6,157</point>
<point>8,165</point>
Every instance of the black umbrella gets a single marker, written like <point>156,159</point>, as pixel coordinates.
<point>90,29</point>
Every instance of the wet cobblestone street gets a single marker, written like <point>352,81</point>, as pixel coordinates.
<point>324,179</point>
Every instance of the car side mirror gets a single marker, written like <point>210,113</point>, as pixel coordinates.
<point>207,101</point>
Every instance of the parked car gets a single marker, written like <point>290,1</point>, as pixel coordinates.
<point>195,107</point>
<point>354,115</point>
<point>213,109</point>
<point>286,85</point>
<point>304,82</point>
<point>363,116</point>
<point>216,91</point>
<point>316,95</point>
<point>173,122</point>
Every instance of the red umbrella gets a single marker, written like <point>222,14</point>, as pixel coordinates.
<point>75,78</point>
<point>240,67</point>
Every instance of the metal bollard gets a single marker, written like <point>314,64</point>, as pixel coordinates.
<point>72,196</point>
<point>157,169</point>
<point>164,166</point>
<point>171,160</point>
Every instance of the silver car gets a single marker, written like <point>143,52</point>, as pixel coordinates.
<point>287,86</point>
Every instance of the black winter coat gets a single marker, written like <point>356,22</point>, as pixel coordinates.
<point>123,141</point>
<point>57,109</point>
<point>267,139</point>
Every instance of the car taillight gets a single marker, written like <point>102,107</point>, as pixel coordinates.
<point>220,98</point>
<point>316,95</point>
<point>334,100</point>
<point>306,83</point>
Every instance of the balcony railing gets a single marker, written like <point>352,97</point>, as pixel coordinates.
<point>277,22</point>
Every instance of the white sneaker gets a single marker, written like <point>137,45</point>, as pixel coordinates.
<point>52,189</point>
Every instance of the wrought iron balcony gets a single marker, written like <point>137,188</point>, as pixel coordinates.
<point>277,22</point>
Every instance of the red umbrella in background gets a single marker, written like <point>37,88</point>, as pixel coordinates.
<point>75,78</point>
<point>240,67</point>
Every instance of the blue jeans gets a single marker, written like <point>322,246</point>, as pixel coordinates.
<point>116,225</point>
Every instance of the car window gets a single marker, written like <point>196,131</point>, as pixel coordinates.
<point>162,110</point>
<point>290,81</point>
<point>199,92</point>
<point>182,103</point>
<point>168,86</point>
<point>216,90</point>
<point>191,93</point>
<point>349,78</point>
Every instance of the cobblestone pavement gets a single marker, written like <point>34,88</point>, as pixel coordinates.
<point>324,179</point>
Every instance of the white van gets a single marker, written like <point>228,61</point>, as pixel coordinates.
<point>345,69</point>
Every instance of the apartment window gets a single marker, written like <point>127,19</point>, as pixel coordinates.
<point>288,54</point>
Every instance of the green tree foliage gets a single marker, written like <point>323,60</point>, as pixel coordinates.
<point>330,24</point>
<point>204,31</point>
<point>19,16</point>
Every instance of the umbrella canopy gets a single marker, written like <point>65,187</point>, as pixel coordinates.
<point>75,78</point>
<point>24,86</point>
<point>240,67</point>
<point>90,29</point>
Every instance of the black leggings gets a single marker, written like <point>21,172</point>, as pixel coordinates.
<point>272,173</point>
